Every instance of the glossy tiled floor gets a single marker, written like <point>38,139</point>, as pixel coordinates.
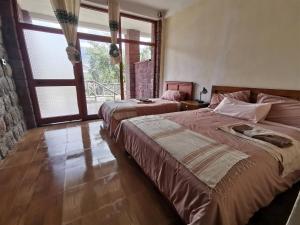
<point>74,175</point>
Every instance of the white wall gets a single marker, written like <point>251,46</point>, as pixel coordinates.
<point>253,43</point>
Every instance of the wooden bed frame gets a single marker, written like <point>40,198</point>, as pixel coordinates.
<point>185,87</point>
<point>294,94</point>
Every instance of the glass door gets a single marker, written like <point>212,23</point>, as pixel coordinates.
<point>52,77</point>
<point>101,78</point>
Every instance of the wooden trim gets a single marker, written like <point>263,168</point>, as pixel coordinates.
<point>122,14</point>
<point>158,54</point>
<point>155,60</point>
<point>92,117</point>
<point>294,94</point>
<point>27,67</point>
<point>122,80</point>
<point>49,82</point>
<point>137,42</point>
<point>80,88</point>
<point>59,119</point>
<point>137,17</point>
<point>33,27</point>
<point>93,37</point>
<point>96,8</point>
<point>121,62</point>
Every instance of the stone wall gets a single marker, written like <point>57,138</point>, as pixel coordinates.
<point>144,75</point>
<point>10,41</point>
<point>12,124</point>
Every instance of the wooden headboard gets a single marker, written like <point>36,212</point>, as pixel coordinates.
<point>294,94</point>
<point>185,87</point>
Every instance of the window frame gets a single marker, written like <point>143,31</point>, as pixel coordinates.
<point>78,80</point>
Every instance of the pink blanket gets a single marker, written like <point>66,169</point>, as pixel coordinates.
<point>236,197</point>
<point>113,112</point>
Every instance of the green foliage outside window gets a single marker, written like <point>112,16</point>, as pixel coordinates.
<point>96,61</point>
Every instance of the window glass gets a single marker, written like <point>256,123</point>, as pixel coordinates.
<point>57,101</point>
<point>146,52</point>
<point>136,30</point>
<point>37,12</point>
<point>41,13</point>
<point>101,78</point>
<point>93,22</point>
<point>47,55</point>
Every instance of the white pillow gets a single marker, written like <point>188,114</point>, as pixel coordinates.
<point>243,110</point>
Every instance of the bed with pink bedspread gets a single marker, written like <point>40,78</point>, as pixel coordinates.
<point>113,112</point>
<point>204,189</point>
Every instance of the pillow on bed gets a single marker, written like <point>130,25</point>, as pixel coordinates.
<point>243,110</point>
<point>284,110</point>
<point>239,95</point>
<point>173,95</point>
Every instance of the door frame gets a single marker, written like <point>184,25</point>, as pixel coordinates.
<point>78,80</point>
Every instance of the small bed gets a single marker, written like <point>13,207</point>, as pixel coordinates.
<point>209,175</point>
<point>113,112</point>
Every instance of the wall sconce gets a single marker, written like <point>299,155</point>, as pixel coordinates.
<point>203,92</point>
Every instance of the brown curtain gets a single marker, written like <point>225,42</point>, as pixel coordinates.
<point>114,16</point>
<point>67,13</point>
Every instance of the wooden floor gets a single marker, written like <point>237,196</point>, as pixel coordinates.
<point>73,175</point>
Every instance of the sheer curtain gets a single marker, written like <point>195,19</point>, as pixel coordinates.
<point>67,13</point>
<point>114,18</point>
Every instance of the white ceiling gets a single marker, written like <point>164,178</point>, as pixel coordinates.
<point>150,8</point>
<point>166,5</point>
<point>42,10</point>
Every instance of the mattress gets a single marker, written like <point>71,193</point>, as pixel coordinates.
<point>240,193</point>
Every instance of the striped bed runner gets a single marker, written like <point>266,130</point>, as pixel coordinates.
<point>208,160</point>
<point>120,110</point>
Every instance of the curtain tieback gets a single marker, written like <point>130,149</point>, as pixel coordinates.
<point>114,51</point>
<point>73,54</point>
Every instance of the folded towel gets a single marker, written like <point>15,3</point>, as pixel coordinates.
<point>279,141</point>
<point>242,128</point>
<point>276,140</point>
<point>144,100</point>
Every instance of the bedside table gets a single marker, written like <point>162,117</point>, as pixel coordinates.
<point>192,105</point>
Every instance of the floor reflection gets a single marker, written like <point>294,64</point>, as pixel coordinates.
<point>72,174</point>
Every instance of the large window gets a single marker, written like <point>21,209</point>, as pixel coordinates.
<point>62,92</point>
